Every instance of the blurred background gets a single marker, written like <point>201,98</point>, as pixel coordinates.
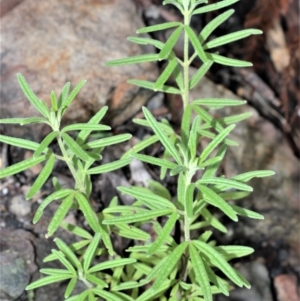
<point>55,41</point>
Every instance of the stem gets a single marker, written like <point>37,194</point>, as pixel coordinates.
<point>186,63</point>
<point>67,159</point>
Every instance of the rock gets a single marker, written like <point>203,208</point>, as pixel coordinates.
<point>51,43</point>
<point>19,206</point>
<point>139,174</point>
<point>8,5</point>
<point>286,288</point>
<point>16,261</point>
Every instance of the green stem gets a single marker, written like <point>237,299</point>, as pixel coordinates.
<point>67,159</point>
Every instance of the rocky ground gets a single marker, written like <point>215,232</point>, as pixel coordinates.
<point>52,42</point>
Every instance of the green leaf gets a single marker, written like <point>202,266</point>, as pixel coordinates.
<point>38,104</point>
<point>165,74</point>
<point>141,194</point>
<point>213,221</point>
<point>80,297</point>
<point>247,176</point>
<point>54,102</point>
<point>138,217</point>
<point>246,212</point>
<point>170,43</point>
<point>42,177</point>
<point>158,27</point>
<point>85,126</point>
<point>214,6</point>
<point>146,41</point>
<point>90,252</point>
<point>189,198</point>
<point>212,25</point>
<point>227,61</point>
<point>162,236</point>
<point>196,43</point>
<point>168,265</point>
<point>150,85</point>
<point>64,94</point>
<point>88,212</point>
<point>23,143</point>
<point>104,230</point>
<point>74,147</point>
<point>55,272</point>
<point>212,169</point>
<point>162,136</point>
<point>193,137</point>
<point>68,252</point>
<point>91,296</point>
<point>18,167</point>
<point>44,144</point>
<point>66,103</point>
<point>64,261</point>
<point>23,121</point>
<point>106,295</point>
<point>235,118</point>
<point>217,260</point>
<point>60,214</point>
<point>132,233</point>
<point>109,166</point>
<point>108,141</point>
<point>231,37</point>
<point>218,102</point>
<point>186,125</point>
<point>76,230</point>
<point>155,161</point>
<point>83,135</point>
<point>199,74</point>
<point>111,264</point>
<point>227,183</point>
<point>214,199</point>
<point>234,195</point>
<point>48,280</point>
<point>127,285</point>
<point>143,58</point>
<point>214,143</point>
<point>150,295</point>
<point>54,196</point>
<point>159,189</point>
<point>70,287</point>
<point>230,252</point>
<point>200,272</point>
<point>210,161</point>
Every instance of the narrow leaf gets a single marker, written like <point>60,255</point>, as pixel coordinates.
<point>70,287</point>
<point>144,58</point>
<point>55,272</point>
<point>165,74</point>
<point>230,252</point>
<point>246,212</point>
<point>150,85</point>
<point>23,121</point>
<point>189,198</point>
<point>158,27</point>
<point>235,118</point>
<point>48,280</point>
<point>68,252</point>
<point>23,165</point>
<point>105,234</point>
<point>211,102</point>
<point>111,264</point>
<point>227,183</point>
<point>106,295</point>
<point>155,161</point>
<point>19,142</point>
<point>170,43</point>
<point>247,176</point>
<point>44,144</point>
<point>214,6</point>
<point>89,254</point>
<point>42,177</point>
<point>212,169</point>
<point>107,141</point>
<point>109,166</point>
<point>77,230</point>
<point>227,61</point>
<point>85,126</point>
<point>64,261</point>
<point>73,94</point>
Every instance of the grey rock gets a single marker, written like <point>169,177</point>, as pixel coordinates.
<point>19,206</point>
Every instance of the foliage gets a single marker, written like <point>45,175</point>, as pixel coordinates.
<point>160,268</point>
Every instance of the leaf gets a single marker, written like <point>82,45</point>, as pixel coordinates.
<point>89,254</point>
<point>132,233</point>
<point>42,177</point>
<point>212,25</point>
<point>76,230</point>
<point>70,287</point>
<point>165,74</point>
<point>23,143</point>
<point>127,285</point>
<point>247,176</point>
<point>108,141</point>
<point>150,85</point>
<point>150,295</point>
<point>55,272</point>
<point>23,121</point>
<point>161,238</point>
<point>106,295</point>
<point>88,212</point>
<point>64,94</point>
<point>214,222</point>
<point>80,297</point>
<point>231,37</point>
<point>210,161</point>
<point>230,252</point>
<point>168,265</point>
<point>214,143</point>
<point>142,195</point>
<point>47,280</point>
<point>68,252</point>
<point>227,61</point>
<point>158,27</point>
<point>111,264</point>
<point>146,41</point>
<point>44,144</point>
<point>85,126</point>
<point>74,147</point>
<point>162,136</point>
<point>246,212</point>
<point>214,199</point>
<point>217,260</point>
<point>218,102</point>
<point>200,272</point>
<point>227,183</point>
<point>196,43</point>
<point>83,135</point>
<point>54,196</point>
<point>189,198</point>
<point>38,104</point>
<point>60,214</point>
<point>143,58</point>
<point>214,6</point>
<point>138,217</point>
<point>186,125</point>
<point>109,166</point>
<point>170,43</point>
<point>18,167</point>
<point>193,138</point>
<point>104,230</point>
<point>159,189</point>
<point>66,103</point>
<point>199,74</point>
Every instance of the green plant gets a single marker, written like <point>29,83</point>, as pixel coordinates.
<point>161,269</point>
